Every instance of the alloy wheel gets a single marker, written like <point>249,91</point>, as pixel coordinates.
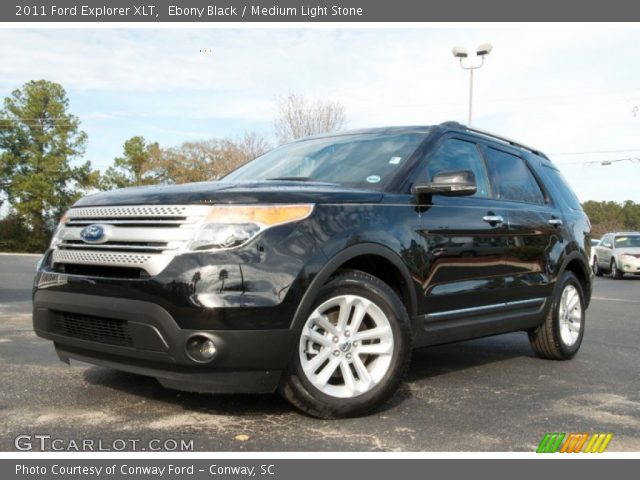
<point>346,346</point>
<point>570,315</point>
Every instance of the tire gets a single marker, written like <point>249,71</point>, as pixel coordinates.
<point>616,273</point>
<point>597,271</point>
<point>325,377</point>
<point>559,337</point>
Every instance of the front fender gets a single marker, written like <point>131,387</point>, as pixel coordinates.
<point>334,263</point>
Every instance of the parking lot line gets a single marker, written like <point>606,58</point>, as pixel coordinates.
<point>616,299</point>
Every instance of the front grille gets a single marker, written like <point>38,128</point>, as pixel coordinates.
<point>95,329</point>
<point>142,237</point>
<point>138,246</point>
<point>99,258</point>
<point>132,211</point>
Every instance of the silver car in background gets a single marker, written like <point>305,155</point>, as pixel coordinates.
<point>617,253</point>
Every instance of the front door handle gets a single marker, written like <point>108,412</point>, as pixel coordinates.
<point>555,222</point>
<point>493,219</point>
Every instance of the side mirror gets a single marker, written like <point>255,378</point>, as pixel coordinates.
<point>606,245</point>
<point>451,184</point>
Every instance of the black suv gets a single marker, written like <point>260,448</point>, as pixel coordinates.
<point>315,269</point>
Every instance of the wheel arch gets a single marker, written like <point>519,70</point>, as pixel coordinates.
<point>357,257</point>
<point>575,263</point>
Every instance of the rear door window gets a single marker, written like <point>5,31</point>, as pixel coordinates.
<point>511,178</point>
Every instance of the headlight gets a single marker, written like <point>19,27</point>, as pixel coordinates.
<point>230,226</point>
<point>57,235</point>
<point>627,256</point>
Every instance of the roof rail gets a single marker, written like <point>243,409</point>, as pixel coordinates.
<point>495,136</point>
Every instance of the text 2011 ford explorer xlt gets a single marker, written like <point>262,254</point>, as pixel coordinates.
<point>315,269</point>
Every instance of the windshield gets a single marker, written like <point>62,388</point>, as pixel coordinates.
<point>628,241</point>
<point>360,160</point>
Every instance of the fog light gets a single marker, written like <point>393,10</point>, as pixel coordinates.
<point>200,348</point>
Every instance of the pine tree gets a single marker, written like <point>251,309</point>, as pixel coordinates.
<point>38,140</point>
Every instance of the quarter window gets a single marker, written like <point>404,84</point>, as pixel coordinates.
<point>511,179</point>
<point>454,154</point>
<point>562,187</point>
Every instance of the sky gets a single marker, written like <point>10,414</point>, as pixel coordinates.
<point>569,90</point>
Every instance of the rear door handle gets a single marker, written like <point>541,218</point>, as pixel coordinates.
<point>556,222</point>
<point>493,219</point>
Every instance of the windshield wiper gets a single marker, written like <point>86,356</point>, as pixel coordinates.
<point>293,179</point>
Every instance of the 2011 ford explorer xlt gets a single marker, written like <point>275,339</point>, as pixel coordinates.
<point>315,269</point>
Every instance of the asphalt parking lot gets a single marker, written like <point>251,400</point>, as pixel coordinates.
<point>490,394</point>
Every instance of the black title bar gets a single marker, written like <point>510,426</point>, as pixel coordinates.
<point>318,11</point>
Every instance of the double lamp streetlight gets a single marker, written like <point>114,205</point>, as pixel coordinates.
<point>461,53</point>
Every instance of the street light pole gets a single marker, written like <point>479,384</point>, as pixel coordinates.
<point>461,53</point>
<point>470,93</point>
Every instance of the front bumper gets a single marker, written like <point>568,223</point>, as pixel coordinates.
<point>629,264</point>
<point>142,337</point>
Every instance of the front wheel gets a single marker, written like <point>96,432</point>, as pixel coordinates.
<point>353,350</point>
<point>616,273</point>
<point>597,271</point>
<point>559,337</point>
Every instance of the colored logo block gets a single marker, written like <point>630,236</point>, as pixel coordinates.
<point>574,442</point>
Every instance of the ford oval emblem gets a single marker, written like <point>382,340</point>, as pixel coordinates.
<point>94,234</point>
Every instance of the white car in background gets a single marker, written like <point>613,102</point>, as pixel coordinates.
<point>617,253</point>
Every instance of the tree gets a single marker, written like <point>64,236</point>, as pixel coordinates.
<point>188,162</point>
<point>136,167</point>
<point>15,235</point>
<point>202,160</point>
<point>251,145</point>
<point>300,117</point>
<point>607,216</point>
<point>38,140</point>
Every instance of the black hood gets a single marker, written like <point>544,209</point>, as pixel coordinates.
<point>232,192</point>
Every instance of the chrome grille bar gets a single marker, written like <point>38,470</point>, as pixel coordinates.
<point>83,222</point>
<point>140,234</point>
<point>117,246</point>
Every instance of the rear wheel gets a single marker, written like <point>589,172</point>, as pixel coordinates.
<point>353,350</point>
<point>560,336</point>
<point>616,273</point>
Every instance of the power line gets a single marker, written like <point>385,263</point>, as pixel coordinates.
<point>605,162</point>
<point>610,162</point>
<point>595,152</point>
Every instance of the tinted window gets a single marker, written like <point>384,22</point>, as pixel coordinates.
<point>511,179</point>
<point>562,188</point>
<point>454,154</point>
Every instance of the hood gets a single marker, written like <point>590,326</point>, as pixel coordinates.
<point>232,193</point>
<point>629,251</point>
